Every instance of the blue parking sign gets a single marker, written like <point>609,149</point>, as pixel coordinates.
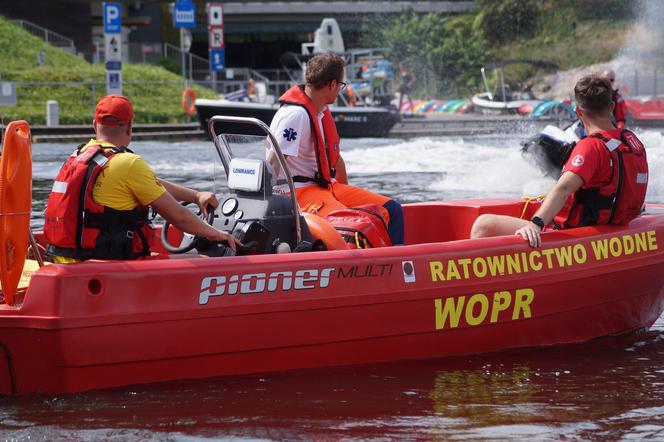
<point>112,17</point>
<point>114,82</point>
<point>184,15</point>
<point>217,60</point>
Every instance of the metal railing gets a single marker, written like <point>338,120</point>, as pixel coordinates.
<point>50,37</point>
<point>641,82</point>
<point>196,68</point>
<point>225,87</point>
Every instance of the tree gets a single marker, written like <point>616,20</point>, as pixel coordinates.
<point>445,53</point>
<point>506,20</point>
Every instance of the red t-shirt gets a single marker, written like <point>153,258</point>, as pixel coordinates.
<point>591,160</point>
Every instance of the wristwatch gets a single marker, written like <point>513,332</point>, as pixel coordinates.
<point>539,222</point>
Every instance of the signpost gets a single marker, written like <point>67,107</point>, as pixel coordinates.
<point>216,44</point>
<point>7,93</point>
<point>184,16</point>
<point>113,47</point>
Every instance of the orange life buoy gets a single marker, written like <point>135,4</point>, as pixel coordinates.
<point>15,205</point>
<point>321,229</point>
<point>189,101</point>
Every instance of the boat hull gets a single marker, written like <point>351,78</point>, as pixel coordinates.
<point>351,122</point>
<point>108,324</point>
<point>482,104</point>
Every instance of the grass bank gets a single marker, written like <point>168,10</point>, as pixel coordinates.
<point>569,36</point>
<point>77,84</point>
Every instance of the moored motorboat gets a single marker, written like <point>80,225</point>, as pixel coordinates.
<point>351,121</point>
<point>645,111</point>
<point>489,103</point>
<point>502,100</point>
<point>101,324</point>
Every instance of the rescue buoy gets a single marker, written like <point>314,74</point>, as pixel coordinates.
<point>321,229</point>
<point>189,101</point>
<point>15,205</point>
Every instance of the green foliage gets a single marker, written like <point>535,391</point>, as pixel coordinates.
<point>597,9</point>
<point>77,85</point>
<point>20,50</point>
<point>445,54</point>
<point>506,20</point>
<point>170,65</point>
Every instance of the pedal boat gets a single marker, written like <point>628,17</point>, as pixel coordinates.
<point>103,324</point>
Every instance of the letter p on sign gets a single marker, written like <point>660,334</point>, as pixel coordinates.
<point>112,17</point>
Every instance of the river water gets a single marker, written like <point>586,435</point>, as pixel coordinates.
<point>610,388</point>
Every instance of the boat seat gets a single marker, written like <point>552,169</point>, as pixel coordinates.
<point>452,220</point>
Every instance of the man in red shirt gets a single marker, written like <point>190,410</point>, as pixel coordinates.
<point>620,106</point>
<point>603,182</point>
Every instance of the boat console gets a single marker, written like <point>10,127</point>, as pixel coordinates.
<point>263,221</point>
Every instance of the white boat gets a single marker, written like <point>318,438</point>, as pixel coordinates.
<point>502,100</point>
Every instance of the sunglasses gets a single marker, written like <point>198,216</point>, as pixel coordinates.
<point>342,84</point>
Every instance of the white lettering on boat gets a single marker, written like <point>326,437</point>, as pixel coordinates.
<point>544,259</point>
<point>479,310</point>
<point>249,283</point>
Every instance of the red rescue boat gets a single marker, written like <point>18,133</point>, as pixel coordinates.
<point>105,324</point>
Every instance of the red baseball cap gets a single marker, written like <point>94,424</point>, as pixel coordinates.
<point>116,106</point>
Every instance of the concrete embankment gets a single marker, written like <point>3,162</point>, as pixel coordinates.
<point>459,125</point>
<point>452,125</point>
<point>81,133</point>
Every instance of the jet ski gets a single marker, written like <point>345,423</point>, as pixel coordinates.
<point>551,148</point>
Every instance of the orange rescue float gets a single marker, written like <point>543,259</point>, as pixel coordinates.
<point>189,101</point>
<point>15,205</point>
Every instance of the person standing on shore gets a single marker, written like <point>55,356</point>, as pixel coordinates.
<point>620,107</point>
<point>406,86</point>
<point>309,140</point>
<point>604,180</point>
<point>98,208</point>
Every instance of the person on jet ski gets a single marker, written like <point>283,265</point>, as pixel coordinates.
<point>604,181</point>
<point>308,138</point>
<point>620,106</point>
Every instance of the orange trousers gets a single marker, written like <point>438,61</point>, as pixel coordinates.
<point>322,202</point>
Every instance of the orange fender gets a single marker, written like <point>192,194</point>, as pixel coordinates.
<point>15,205</point>
<point>251,87</point>
<point>188,101</point>
<point>321,229</point>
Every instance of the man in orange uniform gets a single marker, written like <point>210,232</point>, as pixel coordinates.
<point>603,182</point>
<point>106,217</point>
<point>309,140</point>
<point>620,106</point>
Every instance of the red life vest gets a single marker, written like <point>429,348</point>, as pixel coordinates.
<point>621,199</point>
<point>619,114</point>
<point>361,227</point>
<point>326,148</point>
<point>75,226</point>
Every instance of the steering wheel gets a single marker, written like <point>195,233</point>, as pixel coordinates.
<point>188,242</point>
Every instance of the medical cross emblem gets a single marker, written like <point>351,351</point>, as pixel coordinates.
<point>290,134</point>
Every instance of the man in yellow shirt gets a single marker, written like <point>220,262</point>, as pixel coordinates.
<point>109,219</point>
